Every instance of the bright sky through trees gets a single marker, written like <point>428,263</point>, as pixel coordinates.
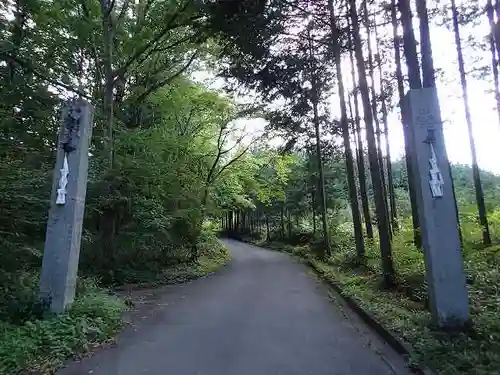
<point>482,100</point>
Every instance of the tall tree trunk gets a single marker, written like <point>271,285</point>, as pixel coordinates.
<point>428,76</point>
<point>282,223</point>
<point>496,28</point>
<point>107,220</point>
<point>351,183</point>
<point>356,148</point>
<point>429,79</point>
<point>409,169</point>
<point>352,122</point>
<point>268,231</point>
<point>316,121</point>
<point>17,36</point>
<point>361,156</point>
<point>375,111</point>
<point>109,76</point>
<point>321,182</point>
<point>410,45</point>
<point>481,208</point>
<point>312,190</point>
<point>494,57</point>
<point>380,203</point>
<point>390,181</point>
<point>313,208</point>
<point>289,218</point>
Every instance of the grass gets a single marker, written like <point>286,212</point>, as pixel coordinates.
<point>41,345</point>
<point>213,256</point>
<point>403,310</point>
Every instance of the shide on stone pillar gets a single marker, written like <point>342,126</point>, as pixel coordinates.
<point>67,205</point>
<point>436,209</point>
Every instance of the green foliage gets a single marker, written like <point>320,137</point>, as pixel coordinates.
<point>404,308</point>
<point>404,311</point>
<point>42,345</point>
<point>145,214</point>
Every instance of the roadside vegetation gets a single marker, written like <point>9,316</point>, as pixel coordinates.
<point>153,189</point>
<point>402,308</point>
<point>292,148</point>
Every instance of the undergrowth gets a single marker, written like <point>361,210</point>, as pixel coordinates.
<point>41,345</point>
<point>213,255</point>
<point>33,340</point>
<point>404,308</point>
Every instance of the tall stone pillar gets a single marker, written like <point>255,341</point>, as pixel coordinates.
<point>64,227</point>
<point>436,209</point>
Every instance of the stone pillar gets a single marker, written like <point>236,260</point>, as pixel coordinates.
<point>436,209</point>
<point>67,204</point>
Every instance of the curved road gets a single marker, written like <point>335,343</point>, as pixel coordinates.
<point>263,314</point>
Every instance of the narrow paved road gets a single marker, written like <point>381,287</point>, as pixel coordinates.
<point>264,314</point>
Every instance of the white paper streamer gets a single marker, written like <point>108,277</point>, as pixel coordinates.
<point>63,181</point>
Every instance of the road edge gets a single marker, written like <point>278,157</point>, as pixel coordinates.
<point>401,347</point>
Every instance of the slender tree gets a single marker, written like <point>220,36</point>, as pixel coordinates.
<point>410,45</point>
<point>483,220</point>
<point>109,77</point>
<point>282,221</point>
<point>494,57</point>
<point>390,181</point>
<point>361,156</point>
<point>380,202</point>
<point>353,195</point>
<point>373,93</point>
<point>317,133</point>
<point>496,27</point>
<point>401,92</point>
<point>428,74</point>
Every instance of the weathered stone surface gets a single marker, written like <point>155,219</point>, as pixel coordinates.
<point>436,208</point>
<point>64,227</point>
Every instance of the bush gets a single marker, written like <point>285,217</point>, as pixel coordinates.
<point>43,345</point>
<point>19,300</point>
<point>404,309</point>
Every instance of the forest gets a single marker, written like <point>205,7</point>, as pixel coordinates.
<point>289,149</point>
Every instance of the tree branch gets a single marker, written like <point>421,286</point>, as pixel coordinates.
<point>169,26</point>
<point>162,83</point>
<point>232,161</point>
<point>27,67</point>
<point>157,49</point>
<point>236,144</point>
<point>123,11</point>
<point>109,7</point>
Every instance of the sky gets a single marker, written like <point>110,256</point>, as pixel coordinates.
<point>486,123</point>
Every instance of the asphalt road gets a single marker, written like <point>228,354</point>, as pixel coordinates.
<point>264,314</point>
